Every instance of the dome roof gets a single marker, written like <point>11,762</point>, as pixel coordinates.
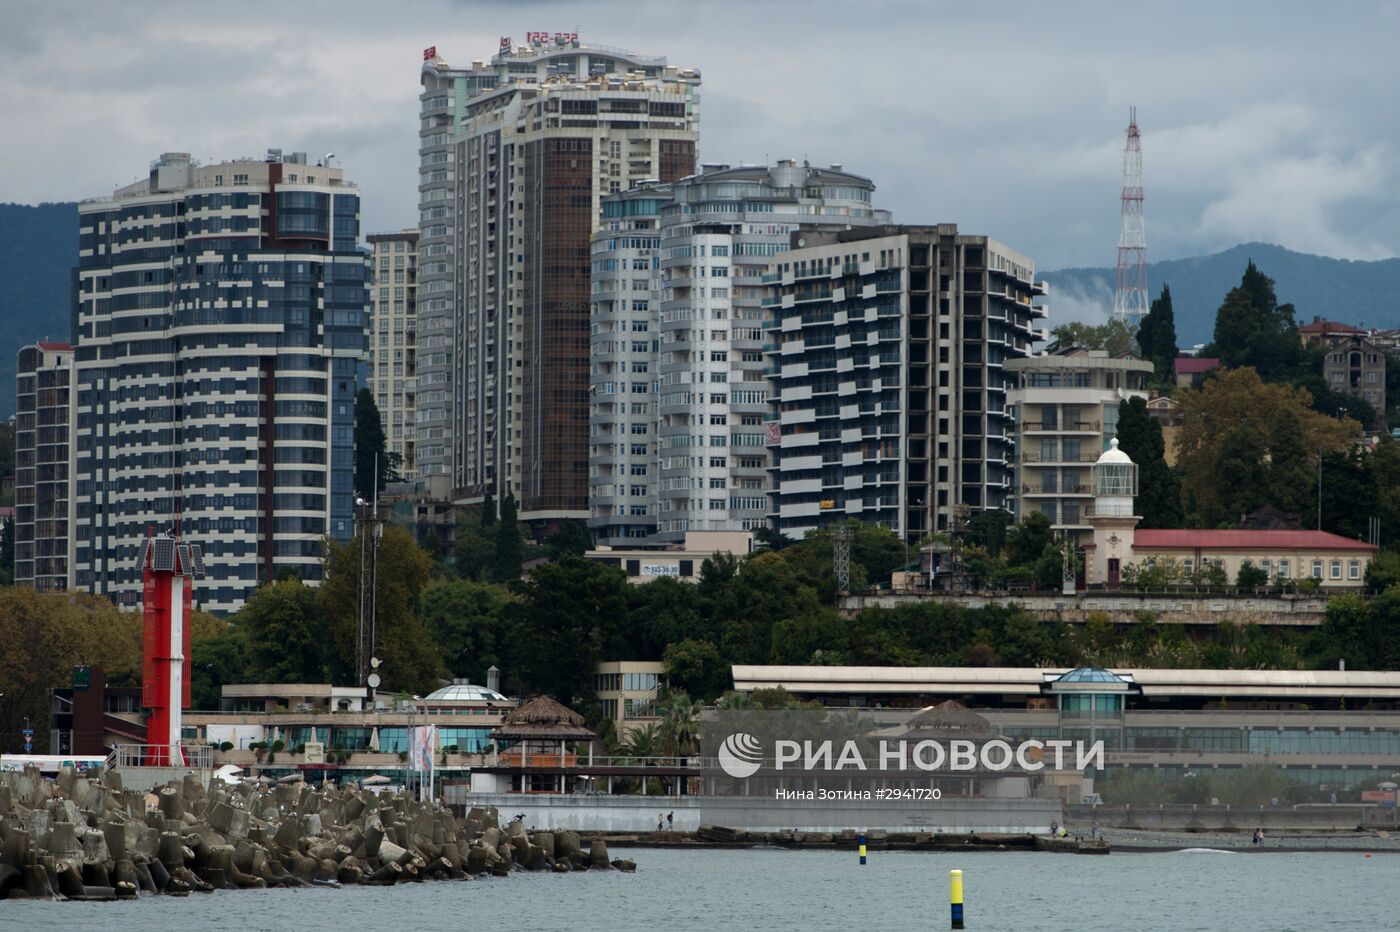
<point>1089,675</point>
<point>1114,455</point>
<point>464,692</point>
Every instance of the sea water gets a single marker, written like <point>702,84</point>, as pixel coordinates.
<point>739,890</point>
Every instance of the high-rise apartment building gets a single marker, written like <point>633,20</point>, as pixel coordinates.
<point>1066,415</point>
<point>623,389</point>
<point>43,482</point>
<point>678,440</point>
<point>221,323</point>
<point>888,376</point>
<point>539,136</point>
<point>393,342</point>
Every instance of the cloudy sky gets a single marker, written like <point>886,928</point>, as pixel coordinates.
<point>1274,121</point>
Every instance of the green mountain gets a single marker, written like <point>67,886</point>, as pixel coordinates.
<point>1361,293</point>
<point>38,249</point>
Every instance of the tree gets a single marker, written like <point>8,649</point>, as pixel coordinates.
<point>410,661</point>
<point>1251,576</point>
<point>474,548</point>
<point>1238,400</point>
<point>1243,476</point>
<point>663,612</point>
<point>697,668</point>
<point>488,511</point>
<point>1159,489</point>
<point>1114,337</point>
<point>570,617</point>
<point>46,635</point>
<point>510,542</point>
<point>680,725</point>
<point>570,537</point>
<point>214,662</point>
<point>370,448</point>
<point>1253,329</point>
<point>1026,541</point>
<point>987,529</point>
<point>468,623</point>
<point>1292,476</point>
<point>7,552</point>
<point>286,634</point>
<point>1156,335</point>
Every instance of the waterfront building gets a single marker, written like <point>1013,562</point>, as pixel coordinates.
<point>43,480</point>
<point>628,691</point>
<point>534,139</point>
<point>1328,560</point>
<point>888,375</point>
<point>221,315</point>
<point>681,561</point>
<point>1191,370</point>
<point>1327,729</point>
<point>393,349</point>
<point>1065,408</point>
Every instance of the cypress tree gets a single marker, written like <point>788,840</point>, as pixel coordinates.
<point>1159,488</point>
<point>510,547</point>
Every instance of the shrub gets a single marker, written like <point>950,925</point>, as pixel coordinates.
<point>226,746</point>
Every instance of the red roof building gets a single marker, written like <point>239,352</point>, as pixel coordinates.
<point>1190,369</point>
<point>1326,331</point>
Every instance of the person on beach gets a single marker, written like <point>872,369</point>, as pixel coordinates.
<point>1255,840</point>
<point>1054,828</point>
<point>670,820</point>
<point>659,820</point>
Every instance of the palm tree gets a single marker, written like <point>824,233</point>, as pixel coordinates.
<point>680,725</point>
<point>642,741</point>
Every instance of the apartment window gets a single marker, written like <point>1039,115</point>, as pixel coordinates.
<point>639,449</point>
<point>1354,569</point>
<point>240,178</point>
<point>637,469</point>
<point>716,462</point>
<point>1283,569</point>
<point>1336,569</point>
<point>1317,569</point>
<point>716,483</point>
<point>717,504</point>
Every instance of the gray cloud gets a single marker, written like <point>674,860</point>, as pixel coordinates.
<point>1267,121</point>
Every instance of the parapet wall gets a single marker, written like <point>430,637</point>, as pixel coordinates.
<point>1184,609</point>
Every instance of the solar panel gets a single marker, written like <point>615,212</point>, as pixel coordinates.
<point>145,550</point>
<point>182,553</point>
<point>197,561</point>
<point>165,555</point>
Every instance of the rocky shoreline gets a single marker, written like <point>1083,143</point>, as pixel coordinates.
<point>80,839</point>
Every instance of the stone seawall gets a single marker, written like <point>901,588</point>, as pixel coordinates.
<point>640,813</point>
<point>1180,609</point>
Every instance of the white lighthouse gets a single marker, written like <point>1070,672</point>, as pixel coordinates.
<point>1115,485</point>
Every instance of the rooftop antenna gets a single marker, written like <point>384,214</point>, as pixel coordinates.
<point>1130,292</point>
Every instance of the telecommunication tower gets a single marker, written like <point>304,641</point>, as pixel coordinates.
<point>1130,292</point>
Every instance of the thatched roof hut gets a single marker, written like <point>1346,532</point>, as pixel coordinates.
<point>542,717</point>
<point>951,719</point>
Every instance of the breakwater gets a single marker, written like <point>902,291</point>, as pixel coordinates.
<point>82,839</point>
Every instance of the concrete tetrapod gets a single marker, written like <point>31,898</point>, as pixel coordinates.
<point>94,839</point>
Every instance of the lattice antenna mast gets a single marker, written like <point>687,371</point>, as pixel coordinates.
<point>1130,292</point>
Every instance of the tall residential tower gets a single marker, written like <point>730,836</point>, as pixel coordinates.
<point>539,135</point>
<point>221,322</point>
<point>889,376</point>
<point>393,342</point>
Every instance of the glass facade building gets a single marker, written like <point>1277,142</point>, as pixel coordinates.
<point>221,321</point>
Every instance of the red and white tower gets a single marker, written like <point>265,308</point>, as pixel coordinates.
<point>168,569</point>
<point>1130,292</point>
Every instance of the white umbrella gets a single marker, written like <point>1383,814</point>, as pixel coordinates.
<point>228,773</point>
<point>376,780</point>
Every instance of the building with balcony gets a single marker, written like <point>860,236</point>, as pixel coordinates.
<point>1065,406</point>
<point>221,317</point>
<point>527,145</point>
<point>393,342</point>
<point>43,478</point>
<point>628,691</point>
<point>624,336</point>
<point>888,376</point>
<point>1355,366</point>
